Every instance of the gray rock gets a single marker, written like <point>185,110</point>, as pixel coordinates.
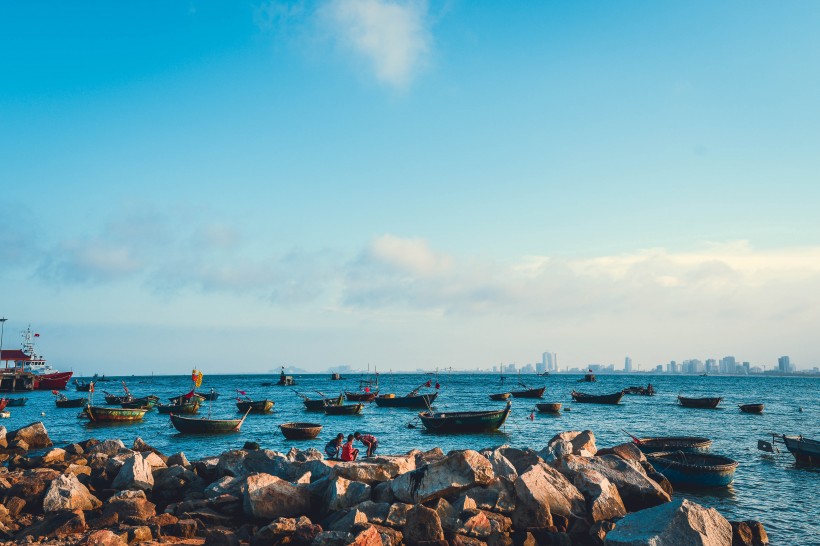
<point>423,525</point>
<point>342,494</point>
<point>34,435</point>
<point>603,500</point>
<point>541,492</point>
<point>135,473</point>
<point>108,447</point>
<point>456,472</point>
<point>268,497</point>
<point>178,459</point>
<point>67,493</point>
<point>678,523</point>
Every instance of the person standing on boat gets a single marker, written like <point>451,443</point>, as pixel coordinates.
<point>349,453</point>
<point>369,441</point>
<point>334,447</point>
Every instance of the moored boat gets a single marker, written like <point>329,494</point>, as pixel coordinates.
<point>146,402</point>
<point>694,470</point>
<point>46,378</point>
<point>751,408</point>
<point>686,444</point>
<point>300,431</point>
<point>805,451</point>
<point>344,409</point>
<point>185,408</point>
<point>501,396</point>
<point>201,425</point>
<point>117,399</point>
<point>101,414</point>
<point>187,398</point>
<point>649,390</point>
<point>585,398</point>
<point>254,406</point>
<point>318,404</point>
<point>209,396</point>
<point>16,402</point>
<point>536,392</point>
<point>464,421</point>
<point>82,386</point>
<point>549,407</point>
<point>705,403</point>
<point>64,402</point>
<point>409,401</point>
<point>361,396</point>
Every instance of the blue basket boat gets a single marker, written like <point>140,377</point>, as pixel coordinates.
<point>694,470</point>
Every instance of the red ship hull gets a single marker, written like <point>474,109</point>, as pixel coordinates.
<point>52,381</point>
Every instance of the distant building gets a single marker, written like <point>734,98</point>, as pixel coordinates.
<point>728,364</point>
<point>528,368</point>
<point>712,366</point>
<point>628,365</point>
<point>746,367</point>
<point>672,367</point>
<point>784,364</point>
<point>549,361</point>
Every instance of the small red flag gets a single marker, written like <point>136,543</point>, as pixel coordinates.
<point>429,383</point>
<point>36,335</point>
<point>189,395</point>
<point>438,386</point>
<point>367,389</point>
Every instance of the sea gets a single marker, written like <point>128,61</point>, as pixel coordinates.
<point>768,487</point>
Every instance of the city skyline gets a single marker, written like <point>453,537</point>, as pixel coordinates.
<point>245,185</point>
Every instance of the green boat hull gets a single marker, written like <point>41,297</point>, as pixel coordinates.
<point>464,421</point>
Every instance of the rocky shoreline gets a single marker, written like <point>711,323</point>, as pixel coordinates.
<point>569,493</point>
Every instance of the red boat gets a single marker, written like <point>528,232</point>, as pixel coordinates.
<point>52,381</point>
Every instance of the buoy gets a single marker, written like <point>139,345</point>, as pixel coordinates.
<point>42,414</point>
<point>800,409</point>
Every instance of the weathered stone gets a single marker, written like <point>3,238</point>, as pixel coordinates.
<point>423,524</point>
<point>347,521</point>
<point>154,460</point>
<point>4,443</point>
<point>15,505</point>
<point>31,486</point>
<point>748,533</point>
<point>390,536</point>
<point>431,456</point>
<point>678,523</point>
<point>481,524</point>
<point>599,530</point>
<point>138,534</point>
<point>367,472</point>
<point>221,537</point>
<point>521,459</point>
<point>178,459</point>
<point>107,447</point>
<point>542,491</point>
<point>376,512</point>
<point>627,451</point>
<point>79,470</point>
<point>382,493</point>
<point>34,435</point>
<point>461,540</point>
<point>56,524</point>
<point>103,537</point>
<point>397,515</point>
<point>135,473</point>
<point>456,472</point>
<point>53,455</point>
<point>502,467</point>
<point>367,536</point>
<point>67,493</point>
<point>131,506</point>
<point>268,497</point>
<point>184,528</point>
<point>342,494</point>
<point>602,497</point>
<point>332,538</point>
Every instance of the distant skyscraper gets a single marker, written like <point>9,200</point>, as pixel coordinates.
<point>549,361</point>
<point>728,364</point>
<point>784,364</point>
<point>628,365</point>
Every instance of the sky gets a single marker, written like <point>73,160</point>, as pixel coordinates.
<point>236,186</point>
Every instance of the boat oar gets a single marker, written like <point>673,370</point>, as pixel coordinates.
<point>635,438</point>
<point>243,420</point>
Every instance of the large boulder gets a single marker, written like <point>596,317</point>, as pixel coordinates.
<point>342,494</point>
<point>678,523</point>
<point>603,500</point>
<point>136,473</point>
<point>636,489</point>
<point>268,497</point>
<point>502,467</point>
<point>60,524</point>
<point>67,493</point>
<point>107,447</point>
<point>456,472</point>
<point>571,442</point>
<point>375,470</point>
<point>521,459</point>
<point>423,525</point>
<point>34,435</point>
<point>130,507</point>
<point>749,533</point>
<point>543,492</point>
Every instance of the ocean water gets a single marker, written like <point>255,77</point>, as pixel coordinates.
<point>767,487</point>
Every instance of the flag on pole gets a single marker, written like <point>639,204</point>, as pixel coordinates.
<point>196,377</point>
<point>189,395</point>
<point>36,335</point>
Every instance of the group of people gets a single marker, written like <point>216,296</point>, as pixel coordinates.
<point>338,449</point>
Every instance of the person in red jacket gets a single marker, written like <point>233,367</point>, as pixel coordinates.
<point>349,453</point>
<point>369,441</point>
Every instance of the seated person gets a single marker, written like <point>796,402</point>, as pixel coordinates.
<point>349,453</point>
<point>334,447</point>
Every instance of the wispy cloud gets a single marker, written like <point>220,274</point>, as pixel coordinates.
<point>393,37</point>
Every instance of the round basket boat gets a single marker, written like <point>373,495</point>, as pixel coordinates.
<point>300,431</point>
<point>694,470</point>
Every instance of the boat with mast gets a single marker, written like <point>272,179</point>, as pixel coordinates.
<point>368,388</point>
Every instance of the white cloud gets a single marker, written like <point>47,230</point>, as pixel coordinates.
<point>392,36</point>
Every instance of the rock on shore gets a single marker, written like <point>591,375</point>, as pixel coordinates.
<point>567,493</point>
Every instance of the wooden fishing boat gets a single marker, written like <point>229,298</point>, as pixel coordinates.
<point>64,402</point>
<point>209,396</point>
<point>707,403</point>
<point>805,451</point>
<point>16,402</point>
<point>501,396</point>
<point>588,378</point>
<point>300,431</point>
<point>319,404</point>
<point>361,396</point>
<point>185,399</point>
<point>116,399</point>
<point>344,409</point>
<point>686,444</point>
<point>201,425</point>
<point>585,398</point>
<point>101,414</point>
<point>649,390</point>
<point>694,470</point>
<point>464,421</point>
<point>751,408</point>
<point>255,406</point>
<point>549,407</point>
<point>145,402</point>
<point>188,408</point>
<point>417,401</point>
<point>82,386</point>
<point>536,392</point>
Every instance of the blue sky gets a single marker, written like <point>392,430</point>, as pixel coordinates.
<point>409,184</point>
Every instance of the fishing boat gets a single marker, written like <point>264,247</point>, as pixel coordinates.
<point>186,398</point>
<point>649,390</point>
<point>368,388</point>
<point>209,396</point>
<point>751,408</point>
<point>184,408</point>
<point>146,402</point>
<point>361,396</point>
<point>201,425</point>
<point>686,444</point>
<point>409,401</point>
<point>318,404</point>
<point>707,403</point>
<point>344,409</point>
<point>501,396</point>
<point>16,402</point>
<point>300,431</point>
<point>464,421</point>
<point>82,386</point>
<point>537,392</point>
<point>585,398</point>
<point>102,414</point>
<point>64,402</point>
<point>46,378</point>
<point>549,407</point>
<point>805,451</point>
<point>694,470</point>
<point>285,380</point>
<point>254,406</point>
<point>588,378</point>
<point>117,399</point>
<point>336,377</point>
